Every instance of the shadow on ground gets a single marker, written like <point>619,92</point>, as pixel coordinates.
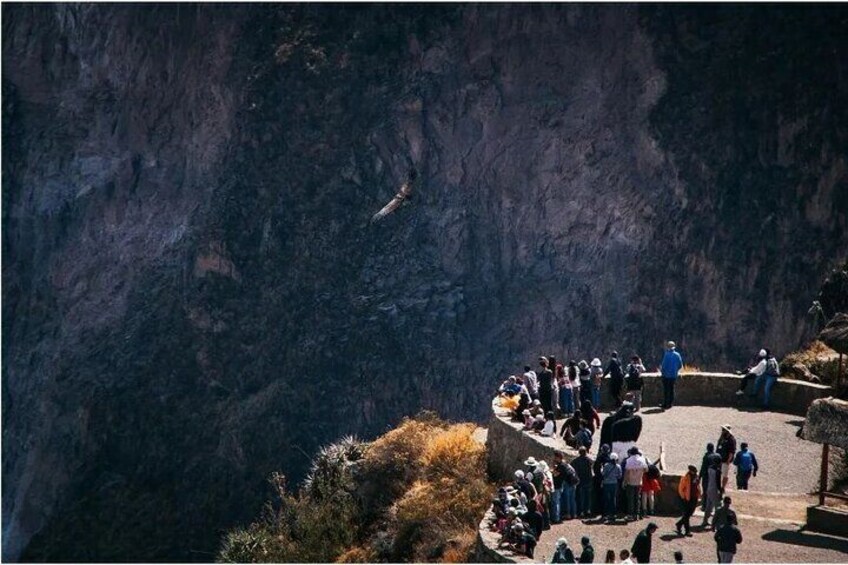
<point>807,539</point>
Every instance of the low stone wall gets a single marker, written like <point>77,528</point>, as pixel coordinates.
<point>719,389</point>
<point>827,520</point>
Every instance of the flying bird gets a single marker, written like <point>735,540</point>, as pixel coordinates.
<point>403,194</point>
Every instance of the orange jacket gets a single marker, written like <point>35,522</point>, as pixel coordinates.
<point>683,487</point>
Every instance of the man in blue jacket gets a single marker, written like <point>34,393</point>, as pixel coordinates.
<point>746,465</point>
<point>671,364</point>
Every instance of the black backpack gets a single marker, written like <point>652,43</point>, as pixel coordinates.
<point>772,367</point>
<point>653,471</point>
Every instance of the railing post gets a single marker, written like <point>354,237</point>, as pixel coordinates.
<point>823,484</point>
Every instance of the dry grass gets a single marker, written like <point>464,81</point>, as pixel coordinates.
<point>689,369</point>
<point>821,360</point>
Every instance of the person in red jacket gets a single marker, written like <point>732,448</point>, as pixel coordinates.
<point>689,490</point>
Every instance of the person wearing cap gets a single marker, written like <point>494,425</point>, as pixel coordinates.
<point>726,449</point>
<point>753,372</point>
<point>528,419</point>
<point>670,367</point>
<point>641,548</point>
<point>545,381</point>
<point>610,477</point>
<point>616,375</point>
<point>562,553</point>
<point>689,490</point>
<point>588,553</point>
<point>768,378</point>
<point>635,467</point>
<point>746,465</point>
<point>597,376</point>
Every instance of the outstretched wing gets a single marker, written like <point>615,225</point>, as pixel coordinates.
<point>394,203</point>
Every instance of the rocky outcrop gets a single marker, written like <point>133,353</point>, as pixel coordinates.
<point>193,296</point>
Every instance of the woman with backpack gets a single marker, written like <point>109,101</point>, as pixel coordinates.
<point>634,381</point>
<point>769,377</point>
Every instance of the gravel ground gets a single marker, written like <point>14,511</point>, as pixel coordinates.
<point>787,464</point>
<point>763,541</point>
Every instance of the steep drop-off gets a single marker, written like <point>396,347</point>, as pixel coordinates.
<point>193,295</point>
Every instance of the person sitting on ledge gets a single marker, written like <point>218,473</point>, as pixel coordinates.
<point>753,372</point>
<point>510,387</point>
<point>536,408</point>
<point>550,427</point>
<point>528,420</point>
<point>571,424</point>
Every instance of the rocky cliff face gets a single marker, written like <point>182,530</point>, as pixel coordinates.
<point>193,295</point>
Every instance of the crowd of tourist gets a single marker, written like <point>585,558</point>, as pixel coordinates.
<point>611,487</point>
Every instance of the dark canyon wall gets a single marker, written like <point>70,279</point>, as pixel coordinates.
<point>193,296</point>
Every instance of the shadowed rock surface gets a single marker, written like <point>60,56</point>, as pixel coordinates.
<point>193,296</point>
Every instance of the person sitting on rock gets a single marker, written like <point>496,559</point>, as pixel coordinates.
<point>767,379</point>
<point>533,519</point>
<point>538,423</point>
<point>523,404</point>
<point>536,408</point>
<point>509,387</point>
<point>528,420</point>
<point>550,428</point>
<point>571,424</point>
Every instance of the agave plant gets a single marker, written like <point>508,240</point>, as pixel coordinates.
<point>329,471</point>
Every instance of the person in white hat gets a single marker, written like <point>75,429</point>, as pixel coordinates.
<point>670,367</point>
<point>596,371</point>
<point>563,553</point>
<point>752,373</point>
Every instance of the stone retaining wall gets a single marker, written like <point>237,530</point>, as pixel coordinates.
<point>719,389</point>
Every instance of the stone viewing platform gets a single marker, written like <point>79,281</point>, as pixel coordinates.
<point>771,512</point>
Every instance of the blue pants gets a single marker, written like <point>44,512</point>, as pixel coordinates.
<point>596,397</point>
<point>769,380</point>
<point>584,498</point>
<point>555,505</point>
<point>569,504</point>
<point>566,401</point>
<point>610,495</point>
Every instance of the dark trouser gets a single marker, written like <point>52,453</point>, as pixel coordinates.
<point>745,379</point>
<point>668,392</point>
<point>688,509</point>
<point>742,479</point>
<point>615,392</point>
<point>585,392</point>
<point>545,397</point>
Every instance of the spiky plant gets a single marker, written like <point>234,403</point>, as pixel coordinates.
<point>329,474</point>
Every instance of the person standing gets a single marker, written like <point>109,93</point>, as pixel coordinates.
<point>573,377</point>
<point>588,553</point>
<point>585,381</point>
<point>702,472</point>
<point>690,491</point>
<point>559,478</point>
<point>597,376</point>
<point>670,367</point>
<point>723,514</point>
<point>641,549</point>
<point>566,398</point>
<point>746,465</point>
<point>711,486</point>
<point>726,449</point>
<point>634,381</point>
<point>530,382</point>
<point>582,465</point>
<point>611,477</point>
<point>569,489</point>
<point>598,472</point>
<point>768,378</point>
<point>650,487</point>
<point>545,380</point>
<point>616,375</point>
<point>635,467</point>
<point>610,556</point>
<point>727,538</point>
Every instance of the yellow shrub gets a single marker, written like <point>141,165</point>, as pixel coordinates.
<point>357,554</point>
<point>454,453</point>
<point>460,549</point>
<point>688,369</point>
